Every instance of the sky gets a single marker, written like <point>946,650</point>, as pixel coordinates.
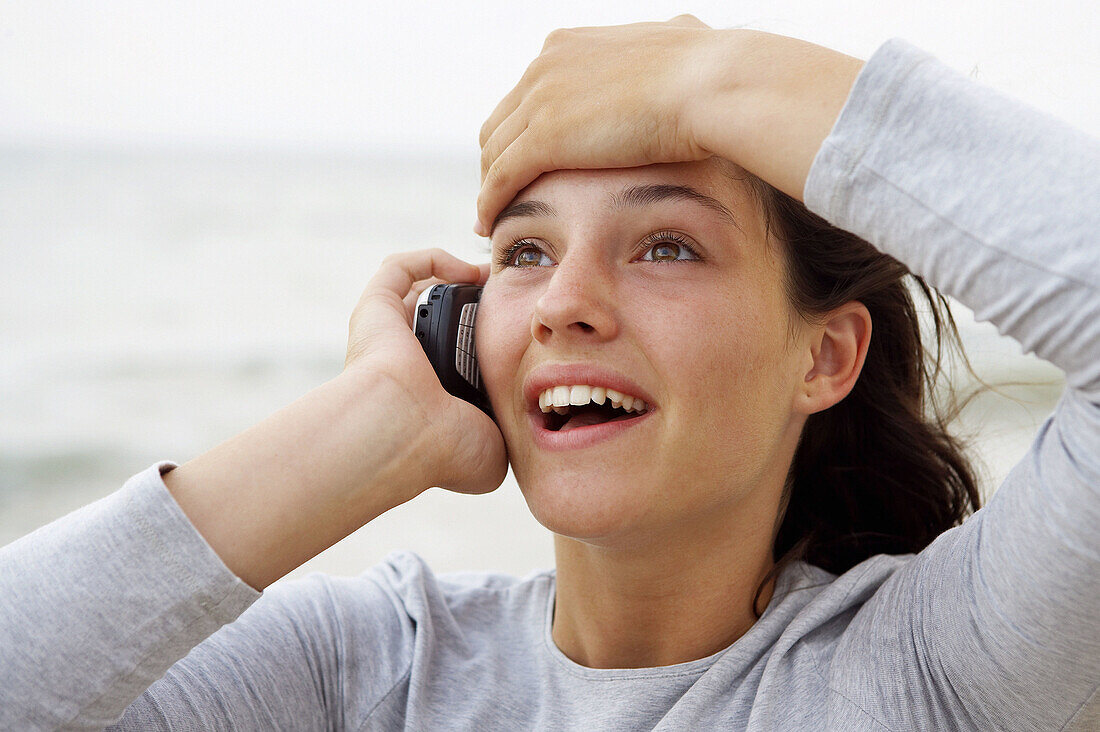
<point>423,76</point>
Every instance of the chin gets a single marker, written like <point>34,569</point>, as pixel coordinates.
<point>587,506</point>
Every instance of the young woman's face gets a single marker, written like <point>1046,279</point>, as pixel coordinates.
<point>656,282</point>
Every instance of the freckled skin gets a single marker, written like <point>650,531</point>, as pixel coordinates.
<point>708,339</point>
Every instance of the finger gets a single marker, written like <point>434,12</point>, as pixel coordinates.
<point>503,111</point>
<point>399,272</point>
<point>484,269</point>
<point>418,288</point>
<point>414,294</point>
<point>532,75</point>
<point>519,164</point>
<point>505,134</point>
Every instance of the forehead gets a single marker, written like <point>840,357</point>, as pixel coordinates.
<point>712,193</point>
<point>710,177</point>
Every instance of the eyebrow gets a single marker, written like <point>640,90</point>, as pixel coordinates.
<point>633,197</point>
<point>523,209</point>
<point>638,196</point>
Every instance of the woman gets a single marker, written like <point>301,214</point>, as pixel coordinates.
<point>685,282</point>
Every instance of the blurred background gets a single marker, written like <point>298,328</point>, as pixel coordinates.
<point>193,195</point>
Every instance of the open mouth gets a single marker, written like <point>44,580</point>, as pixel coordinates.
<point>586,415</point>
<point>567,408</point>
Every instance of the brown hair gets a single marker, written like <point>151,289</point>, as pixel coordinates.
<point>877,472</point>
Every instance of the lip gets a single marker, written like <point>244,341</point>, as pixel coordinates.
<point>580,437</point>
<point>543,377</point>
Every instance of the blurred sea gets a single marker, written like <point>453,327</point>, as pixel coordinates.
<point>157,302</point>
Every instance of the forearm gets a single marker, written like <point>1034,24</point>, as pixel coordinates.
<point>98,604</point>
<point>993,202</point>
<point>283,491</point>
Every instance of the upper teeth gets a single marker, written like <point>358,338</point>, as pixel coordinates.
<point>560,398</point>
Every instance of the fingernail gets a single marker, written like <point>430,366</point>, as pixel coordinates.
<point>479,228</point>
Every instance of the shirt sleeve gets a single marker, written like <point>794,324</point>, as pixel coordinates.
<point>313,653</point>
<point>97,605</point>
<point>995,624</point>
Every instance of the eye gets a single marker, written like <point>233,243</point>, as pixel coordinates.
<point>524,253</point>
<point>667,246</point>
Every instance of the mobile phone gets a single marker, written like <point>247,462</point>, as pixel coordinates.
<point>444,324</point>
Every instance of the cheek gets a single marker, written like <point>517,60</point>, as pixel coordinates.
<point>501,336</point>
<point>717,338</point>
<point>724,362</point>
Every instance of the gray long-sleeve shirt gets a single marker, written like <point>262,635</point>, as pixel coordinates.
<point>993,626</point>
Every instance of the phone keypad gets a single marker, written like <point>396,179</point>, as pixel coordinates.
<point>465,356</point>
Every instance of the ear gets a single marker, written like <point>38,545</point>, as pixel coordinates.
<point>838,348</point>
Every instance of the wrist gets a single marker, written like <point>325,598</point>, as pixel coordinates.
<point>769,102</point>
<point>710,103</point>
<point>383,433</point>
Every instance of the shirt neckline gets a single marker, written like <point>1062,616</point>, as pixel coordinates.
<point>688,668</point>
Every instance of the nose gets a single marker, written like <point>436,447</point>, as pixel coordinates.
<point>578,303</point>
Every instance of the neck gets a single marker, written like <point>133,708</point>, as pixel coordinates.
<point>670,599</point>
